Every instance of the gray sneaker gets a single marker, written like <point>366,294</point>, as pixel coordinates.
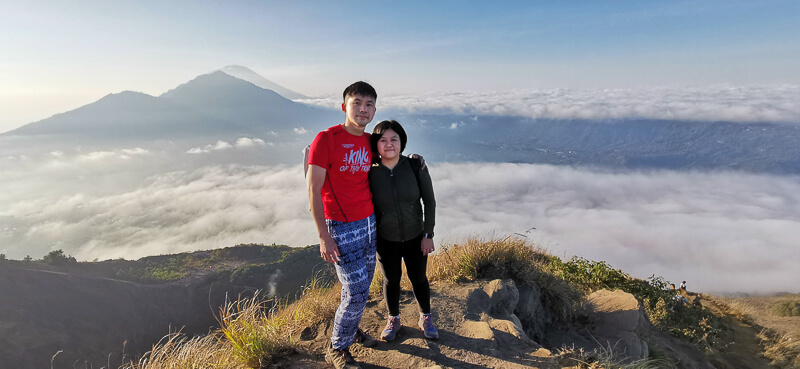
<point>392,327</point>
<point>426,324</point>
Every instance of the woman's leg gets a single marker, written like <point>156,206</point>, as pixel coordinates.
<point>390,260</point>
<point>417,268</point>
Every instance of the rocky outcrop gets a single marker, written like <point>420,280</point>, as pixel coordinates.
<point>491,308</point>
<point>618,322</point>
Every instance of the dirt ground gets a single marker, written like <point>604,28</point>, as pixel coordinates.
<point>462,343</point>
<point>467,343</point>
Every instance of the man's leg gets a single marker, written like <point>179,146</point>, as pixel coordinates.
<point>356,242</point>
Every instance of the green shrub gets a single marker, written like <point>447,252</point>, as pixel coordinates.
<point>692,323</point>
<point>57,257</point>
<point>786,308</point>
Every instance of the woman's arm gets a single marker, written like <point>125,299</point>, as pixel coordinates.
<point>428,200</point>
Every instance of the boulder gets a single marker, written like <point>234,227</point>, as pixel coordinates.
<point>503,297</point>
<point>619,323</point>
<point>531,312</point>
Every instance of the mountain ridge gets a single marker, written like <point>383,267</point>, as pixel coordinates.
<point>210,104</point>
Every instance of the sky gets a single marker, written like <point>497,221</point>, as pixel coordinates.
<point>56,56</point>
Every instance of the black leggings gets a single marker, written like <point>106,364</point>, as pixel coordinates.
<point>389,255</point>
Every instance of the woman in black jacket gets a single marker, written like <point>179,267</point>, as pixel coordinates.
<point>405,231</point>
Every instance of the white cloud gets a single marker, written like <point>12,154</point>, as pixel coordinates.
<point>220,145</point>
<point>249,142</point>
<point>719,231</point>
<point>123,154</point>
<point>712,103</point>
<point>301,131</point>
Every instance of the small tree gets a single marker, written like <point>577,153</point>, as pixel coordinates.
<point>27,258</point>
<point>57,257</point>
<point>2,256</point>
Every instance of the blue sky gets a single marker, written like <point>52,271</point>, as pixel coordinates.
<point>56,56</point>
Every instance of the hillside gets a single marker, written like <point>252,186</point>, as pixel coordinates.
<point>93,311</point>
<point>497,303</point>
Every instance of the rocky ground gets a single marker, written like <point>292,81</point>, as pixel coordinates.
<point>479,328</point>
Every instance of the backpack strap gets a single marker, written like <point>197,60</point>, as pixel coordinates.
<point>416,165</point>
<point>307,152</point>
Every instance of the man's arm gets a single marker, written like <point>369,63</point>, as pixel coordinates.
<point>315,180</point>
<point>422,164</point>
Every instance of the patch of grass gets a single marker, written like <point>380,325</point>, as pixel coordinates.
<point>508,258</point>
<point>606,358</point>
<point>178,351</point>
<point>251,333</point>
<point>782,350</point>
<point>665,311</point>
<point>785,308</point>
<point>257,334</point>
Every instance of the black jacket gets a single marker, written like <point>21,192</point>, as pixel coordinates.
<point>396,195</point>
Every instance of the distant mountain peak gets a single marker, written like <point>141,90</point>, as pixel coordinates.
<point>237,69</point>
<point>249,75</point>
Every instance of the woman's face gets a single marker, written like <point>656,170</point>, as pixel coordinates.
<point>389,145</point>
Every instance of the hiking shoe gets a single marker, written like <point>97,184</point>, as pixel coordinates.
<point>341,359</point>
<point>426,324</point>
<point>365,339</point>
<point>391,329</point>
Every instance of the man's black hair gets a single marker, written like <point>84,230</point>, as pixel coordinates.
<point>384,126</point>
<point>359,88</point>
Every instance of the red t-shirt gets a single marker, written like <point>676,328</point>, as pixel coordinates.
<point>346,160</point>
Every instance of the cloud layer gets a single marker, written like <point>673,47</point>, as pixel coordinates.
<point>714,103</point>
<point>722,231</point>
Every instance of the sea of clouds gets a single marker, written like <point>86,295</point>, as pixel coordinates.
<point>709,103</point>
<point>720,231</point>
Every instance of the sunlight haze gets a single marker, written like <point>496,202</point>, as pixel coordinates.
<point>58,56</point>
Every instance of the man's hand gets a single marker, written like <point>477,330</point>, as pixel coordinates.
<point>427,246</point>
<point>328,249</point>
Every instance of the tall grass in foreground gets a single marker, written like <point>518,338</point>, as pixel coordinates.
<point>178,351</point>
<point>251,333</point>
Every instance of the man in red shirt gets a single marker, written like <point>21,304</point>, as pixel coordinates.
<point>341,203</point>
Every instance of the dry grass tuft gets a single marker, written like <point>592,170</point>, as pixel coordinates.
<point>606,358</point>
<point>782,350</point>
<point>178,351</point>
<point>508,258</point>
<point>251,333</point>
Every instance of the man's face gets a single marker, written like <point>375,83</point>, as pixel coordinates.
<point>359,109</point>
